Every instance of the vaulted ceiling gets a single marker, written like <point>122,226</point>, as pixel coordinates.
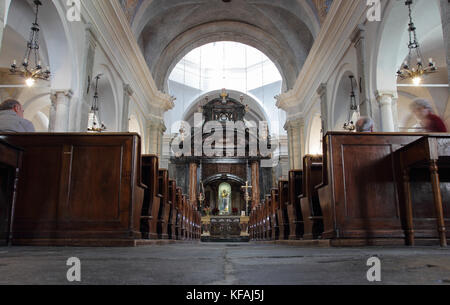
<point>167,30</point>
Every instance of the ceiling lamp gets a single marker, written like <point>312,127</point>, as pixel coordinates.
<point>27,71</point>
<point>354,109</point>
<point>408,69</point>
<point>94,124</point>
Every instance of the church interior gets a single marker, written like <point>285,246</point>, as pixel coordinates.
<point>225,138</point>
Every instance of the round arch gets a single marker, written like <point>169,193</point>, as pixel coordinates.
<point>392,40</point>
<point>229,31</point>
<point>314,135</point>
<point>340,103</point>
<point>108,98</point>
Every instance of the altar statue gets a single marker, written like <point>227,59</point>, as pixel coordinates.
<point>225,203</point>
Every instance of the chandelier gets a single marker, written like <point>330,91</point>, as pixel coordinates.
<point>27,71</point>
<point>94,124</point>
<point>354,109</point>
<point>408,70</point>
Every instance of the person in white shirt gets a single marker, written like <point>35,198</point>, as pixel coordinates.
<point>11,118</point>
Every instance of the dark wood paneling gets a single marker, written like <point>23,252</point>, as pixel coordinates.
<point>363,195</point>
<point>78,187</point>
<point>296,224</point>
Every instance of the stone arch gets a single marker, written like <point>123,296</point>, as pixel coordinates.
<point>229,31</point>
<point>340,103</point>
<point>314,135</point>
<point>108,98</point>
<point>392,40</point>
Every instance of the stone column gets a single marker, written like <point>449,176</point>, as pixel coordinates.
<point>127,93</point>
<point>256,193</point>
<point>322,92</point>
<point>359,42</point>
<point>193,183</point>
<point>295,129</point>
<point>155,132</point>
<point>386,102</point>
<point>59,113</point>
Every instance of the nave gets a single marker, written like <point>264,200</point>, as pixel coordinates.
<point>224,264</point>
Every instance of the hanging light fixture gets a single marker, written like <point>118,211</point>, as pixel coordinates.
<point>354,109</point>
<point>94,124</point>
<point>27,71</point>
<point>408,70</point>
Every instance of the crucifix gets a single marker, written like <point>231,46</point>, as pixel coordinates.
<point>247,197</point>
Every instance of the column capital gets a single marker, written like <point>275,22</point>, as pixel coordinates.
<point>66,92</point>
<point>293,123</point>
<point>156,124</point>
<point>382,95</point>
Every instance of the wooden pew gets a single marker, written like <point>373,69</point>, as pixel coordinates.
<point>282,213</point>
<point>184,218</point>
<point>199,225</point>
<point>252,225</point>
<point>263,220</point>
<point>267,212</point>
<point>152,199</point>
<point>259,223</point>
<point>362,190</point>
<point>163,219</point>
<point>189,220</point>
<point>274,214</point>
<point>173,209</point>
<point>78,190</point>
<point>179,217</point>
<point>296,225</point>
<point>10,166</point>
<point>310,204</point>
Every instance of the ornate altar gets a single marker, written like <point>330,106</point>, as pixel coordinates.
<point>225,229</point>
<point>219,184</point>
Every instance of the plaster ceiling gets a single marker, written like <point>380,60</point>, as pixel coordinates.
<point>167,30</point>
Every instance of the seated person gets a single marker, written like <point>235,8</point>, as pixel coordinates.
<point>11,118</point>
<point>429,121</point>
<point>364,124</point>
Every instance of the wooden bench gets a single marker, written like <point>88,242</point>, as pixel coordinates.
<point>431,152</point>
<point>173,209</point>
<point>179,218</point>
<point>362,192</point>
<point>152,198</point>
<point>78,190</point>
<point>282,213</point>
<point>267,212</point>
<point>296,224</point>
<point>163,218</point>
<point>274,214</point>
<point>309,200</point>
<point>10,165</point>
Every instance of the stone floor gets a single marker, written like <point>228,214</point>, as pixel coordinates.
<point>234,264</point>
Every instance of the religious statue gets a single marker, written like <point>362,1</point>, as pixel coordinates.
<point>225,203</point>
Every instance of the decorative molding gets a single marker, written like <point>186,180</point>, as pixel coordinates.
<point>66,92</point>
